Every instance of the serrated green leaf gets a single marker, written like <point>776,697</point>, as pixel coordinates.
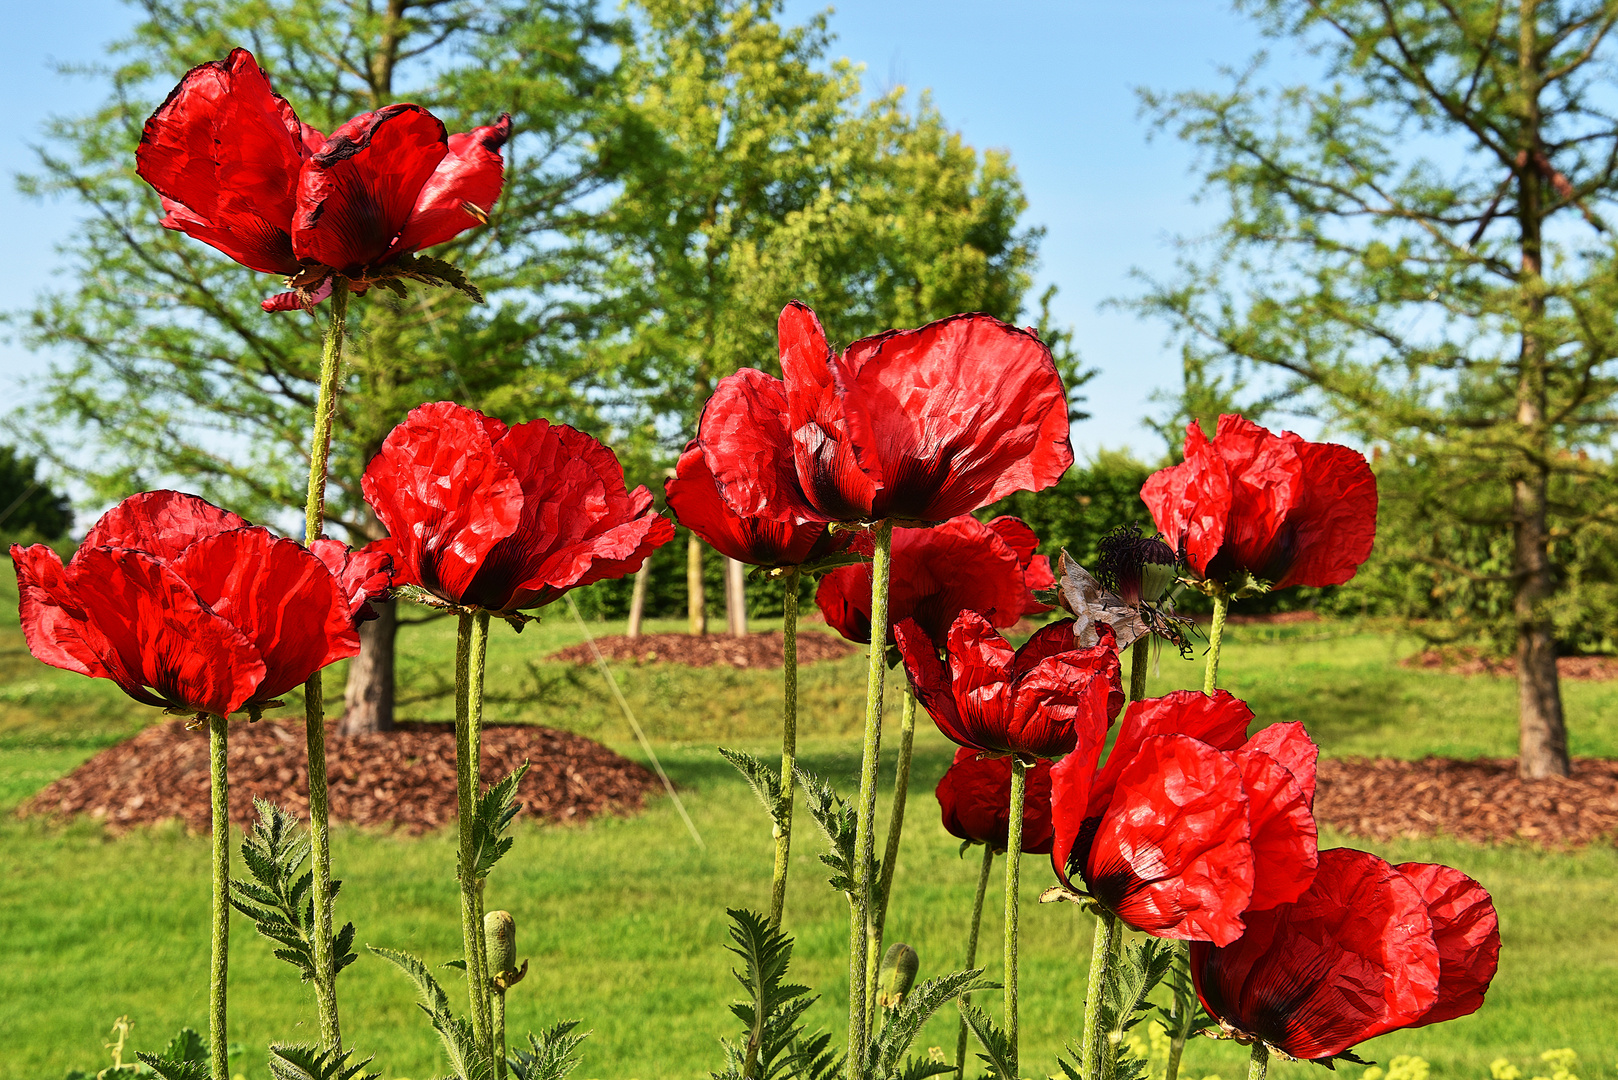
<point>304,1062</point>
<point>996,1047</point>
<point>765,782</point>
<point>551,1054</point>
<point>495,809</point>
<point>433,998</point>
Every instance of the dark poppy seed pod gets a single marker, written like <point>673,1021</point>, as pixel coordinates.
<point>897,976</point>
<point>500,941</point>
<point>1137,568</point>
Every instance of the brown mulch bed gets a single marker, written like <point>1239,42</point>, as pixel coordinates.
<point>1271,618</point>
<point>1472,662</point>
<point>403,778</point>
<point>759,650</point>
<point>1480,800</point>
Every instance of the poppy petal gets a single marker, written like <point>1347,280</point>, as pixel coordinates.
<point>461,191</point>
<point>974,797</point>
<point>356,194</point>
<point>1066,698</point>
<point>745,442</point>
<point>160,523</point>
<point>1467,933</point>
<point>930,681</point>
<point>1335,517</point>
<point>280,597</point>
<point>1290,745</point>
<point>161,635</point>
<point>980,680</point>
<point>693,494</point>
<point>1282,830</point>
<point>1190,502</point>
<point>1049,640</point>
<point>1172,855</point>
<point>836,481</point>
<point>224,150</point>
<point>55,626</point>
<point>1037,572</point>
<point>1070,800</point>
<point>362,576</point>
<point>1218,719</point>
<point>1352,957</point>
<point>444,496</point>
<point>954,415</point>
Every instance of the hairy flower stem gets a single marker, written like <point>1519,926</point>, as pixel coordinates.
<point>219,1062</point>
<point>890,854</point>
<point>972,953</point>
<point>1185,1010</point>
<point>1215,632</point>
<point>865,820</point>
<point>1138,661</point>
<point>1093,1047</point>
<point>789,745</point>
<point>500,1034</point>
<point>314,699</point>
<point>466,802</point>
<point>474,751</point>
<point>1019,788</point>
<point>1259,1064</point>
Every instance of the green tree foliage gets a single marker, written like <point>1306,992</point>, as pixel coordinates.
<point>756,177</point>
<point>1419,250</point>
<point>28,507</point>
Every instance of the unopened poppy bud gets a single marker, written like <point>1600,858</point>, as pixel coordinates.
<point>898,975</point>
<point>500,939</point>
<point>1136,568</point>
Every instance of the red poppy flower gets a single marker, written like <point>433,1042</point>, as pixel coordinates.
<point>1367,949</point>
<point>913,425</point>
<point>187,607</point>
<point>694,497</point>
<point>1190,824</point>
<point>1253,504</point>
<point>238,171</point>
<point>975,798</point>
<point>961,565</point>
<point>501,518</point>
<point>1038,701</point>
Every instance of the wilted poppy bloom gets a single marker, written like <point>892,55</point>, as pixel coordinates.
<point>482,515</point>
<point>1190,824</point>
<point>910,425</point>
<point>974,796</point>
<point>238,171</point>
<point>1035,701</point>
<point>937,573</point>
<point>1369,948</point>
<point>694,497</point>
<point>1256,507</point>
<point>187,607</point>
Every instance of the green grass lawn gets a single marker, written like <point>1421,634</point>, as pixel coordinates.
<point>623,919</point>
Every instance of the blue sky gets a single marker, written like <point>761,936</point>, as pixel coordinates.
<point>1052,82</point>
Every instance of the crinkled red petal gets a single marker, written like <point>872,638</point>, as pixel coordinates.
<point>974,797</point>
<point>280,597</point>
<point>1282,826</point>
<point>1217,719</point>
<point>1172,855</point>
<point>1190,502</point>
<point>930,681</point>
<point>1070,800</point>
<point>1467,933</point>
<point>55,626</point>
<point>1352,957</point>
<point>839,484</point>
<point>748,448</point>
<point>1334,521</point>
<point>444,495</point>
<point>363,575</point>
<point>954,415</point>
<point>160,523</point>
<point>357,193</point>
<point>693,494</point>
<point>161,635</point>
<point>461,191</point>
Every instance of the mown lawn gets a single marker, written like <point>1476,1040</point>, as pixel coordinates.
<point>624,921</point>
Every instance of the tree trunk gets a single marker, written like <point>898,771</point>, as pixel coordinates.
<point>1542,733</point>
<point>637,600</point>
<point>695,607</point>
<point>368,698</point>
<point>736,596</point>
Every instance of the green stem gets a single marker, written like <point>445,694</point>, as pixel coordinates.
<point>500,1035</point>
<point>865,819</point>
<point>789,746</point>
<point>474,747</point>
<point>890,854</point>
<point>1185,1007</point>
<point>1138,661</point>
<point>972,953</point>
<point>1259,1064</point>
<point>1019,786</point>
<point>1093,1048</point>
<point>220,953</point>
<point>1215,632</point>
<point>314,703</point>
<point>1176,1048</point>
<point>466,800</point>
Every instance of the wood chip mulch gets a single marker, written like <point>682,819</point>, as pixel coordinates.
<point>1480,800</point>
<point>1471,662</point>
<point>758,650</point>
<point>404,778</point>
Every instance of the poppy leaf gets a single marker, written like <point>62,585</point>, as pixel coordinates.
<point>997,1051</point>
<point>764,781</point>
<point>551,1054</point>
<point>305,1062</point>
<point>901,1025</point>
<point>495,809</point>
<point>836,820</point>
